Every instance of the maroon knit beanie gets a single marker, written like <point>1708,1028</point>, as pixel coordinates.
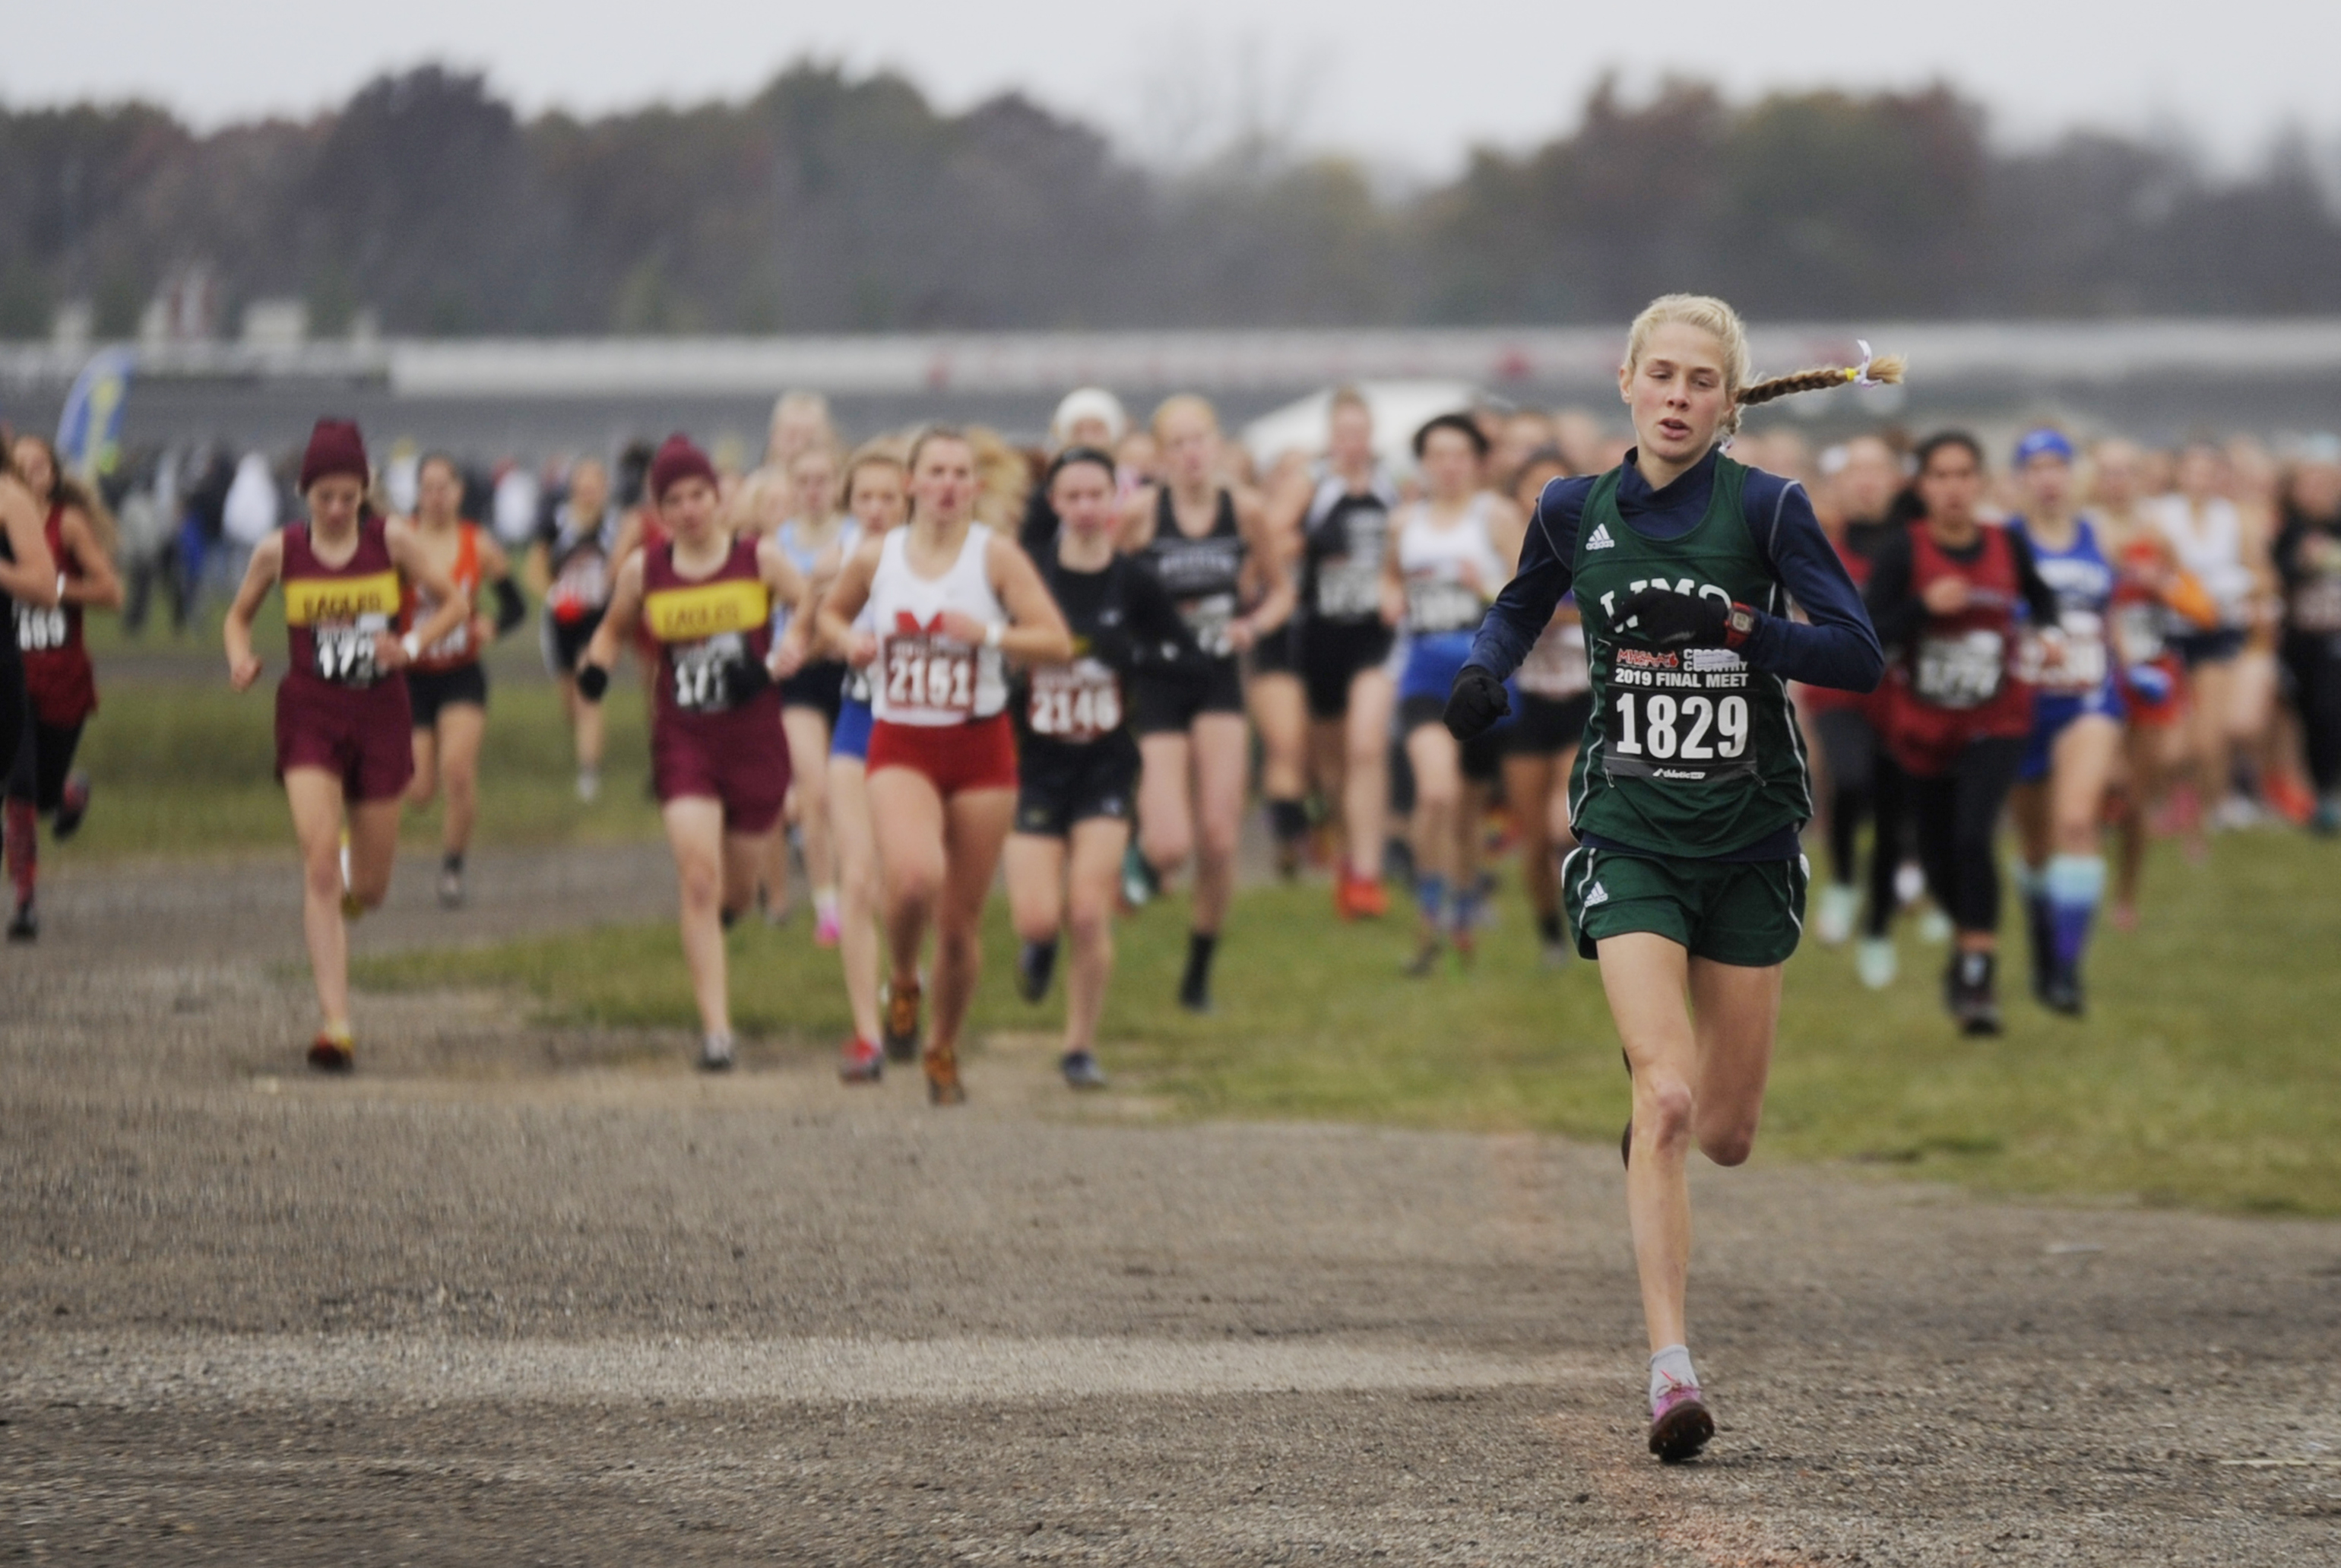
<point>334,447</point>
<point>678,459</point>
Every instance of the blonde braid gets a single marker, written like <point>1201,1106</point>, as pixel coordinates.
<point>1886,370</point>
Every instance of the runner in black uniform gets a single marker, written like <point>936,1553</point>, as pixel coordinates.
<point>1077,759</point>
<point>1087,416</point>
<point>2308,563</point>
<point>1211,547</point>
<point>1690,788</point>
<point>1346,631</point>
<point>568,567</point>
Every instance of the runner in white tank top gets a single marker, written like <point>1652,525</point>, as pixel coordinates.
<point>950,600</point>
<point>922,677</point>
<point>2208,535</point>
<point>1448,556</point>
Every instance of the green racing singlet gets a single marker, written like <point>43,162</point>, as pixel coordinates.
<point>1690,753</point>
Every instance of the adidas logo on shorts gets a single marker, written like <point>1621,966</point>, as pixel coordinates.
<point>1601,540</point>
<point>1595,895</point>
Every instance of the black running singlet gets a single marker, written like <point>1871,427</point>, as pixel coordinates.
<point>1343,540</point>
<point>1203,575</point>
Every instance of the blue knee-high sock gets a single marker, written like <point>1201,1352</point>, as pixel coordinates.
<point>1467,908</point>
<point>2076,885</point>
<point>1430,893</point>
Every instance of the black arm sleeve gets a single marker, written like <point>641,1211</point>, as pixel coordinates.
<point>511,608</point>
<point>2038,596</point>
<point>1894,609</point>
<point>1159,640</point>
<point>2287,551</point>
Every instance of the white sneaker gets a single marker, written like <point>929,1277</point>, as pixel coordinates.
<point>589,784</point>
<point>1876,963</point>
<point>715,1054</point>
<point>1934,927</point>
<point>1834,924</point>
<point>1910,884</point>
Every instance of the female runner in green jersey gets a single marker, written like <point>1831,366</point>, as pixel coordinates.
<point>1689,789</point>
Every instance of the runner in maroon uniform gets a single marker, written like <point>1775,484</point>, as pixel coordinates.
<point>342,717</point>
<point>29,579</point>
<point>718,755</point>
<point>1945,597</point>
<point>60,683</point>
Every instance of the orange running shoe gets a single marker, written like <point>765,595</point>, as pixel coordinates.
<point>899,1022</point>
<point>2290,798</point>
<point>941,1065</point>
<point>1370,898</point>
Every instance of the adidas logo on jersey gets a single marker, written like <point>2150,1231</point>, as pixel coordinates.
<point>1595,895</point>
<point>1601,540</point>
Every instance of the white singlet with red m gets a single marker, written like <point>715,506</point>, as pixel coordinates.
<point>921,676</point>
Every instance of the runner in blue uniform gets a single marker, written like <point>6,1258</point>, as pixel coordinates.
<point>2078,714</point>
<point>1448,554</point>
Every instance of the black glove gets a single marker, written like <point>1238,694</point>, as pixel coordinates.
<point>1662,619</point>
<point>592,681</point>
<point>511,608</point>
<point>742,679</point>
<point>1475,704</point>
<point>1111,647</point>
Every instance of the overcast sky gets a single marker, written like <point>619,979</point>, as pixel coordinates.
<point>1411,86</point>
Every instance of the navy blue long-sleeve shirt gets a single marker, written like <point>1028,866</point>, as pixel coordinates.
<point>1838,647</point>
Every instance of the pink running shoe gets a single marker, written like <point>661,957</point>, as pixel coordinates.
<point>1679,1423</point>
<point>827,930</point>
<point>860,1062</point>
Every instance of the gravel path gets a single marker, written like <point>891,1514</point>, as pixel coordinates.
<point>548,1296</point>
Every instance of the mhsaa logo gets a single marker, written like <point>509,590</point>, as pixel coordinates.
<point>1645,659</point>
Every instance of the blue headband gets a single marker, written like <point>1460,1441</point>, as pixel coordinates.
<point>2043,443</point>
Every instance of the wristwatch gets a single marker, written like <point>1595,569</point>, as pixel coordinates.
<point>1739,625</point>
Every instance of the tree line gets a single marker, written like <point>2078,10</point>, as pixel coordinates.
<point>833,203</point>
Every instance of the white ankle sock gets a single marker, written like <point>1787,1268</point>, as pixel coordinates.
<point>1670,1368</point>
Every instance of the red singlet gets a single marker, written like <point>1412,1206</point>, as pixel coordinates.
<point>58,675</point>
<point>1957,682</point>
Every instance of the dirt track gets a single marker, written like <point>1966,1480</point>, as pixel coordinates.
<point>551,1297</point>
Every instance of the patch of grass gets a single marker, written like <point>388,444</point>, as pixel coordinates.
<point>187,767</point>
<point>2204,1074</point>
